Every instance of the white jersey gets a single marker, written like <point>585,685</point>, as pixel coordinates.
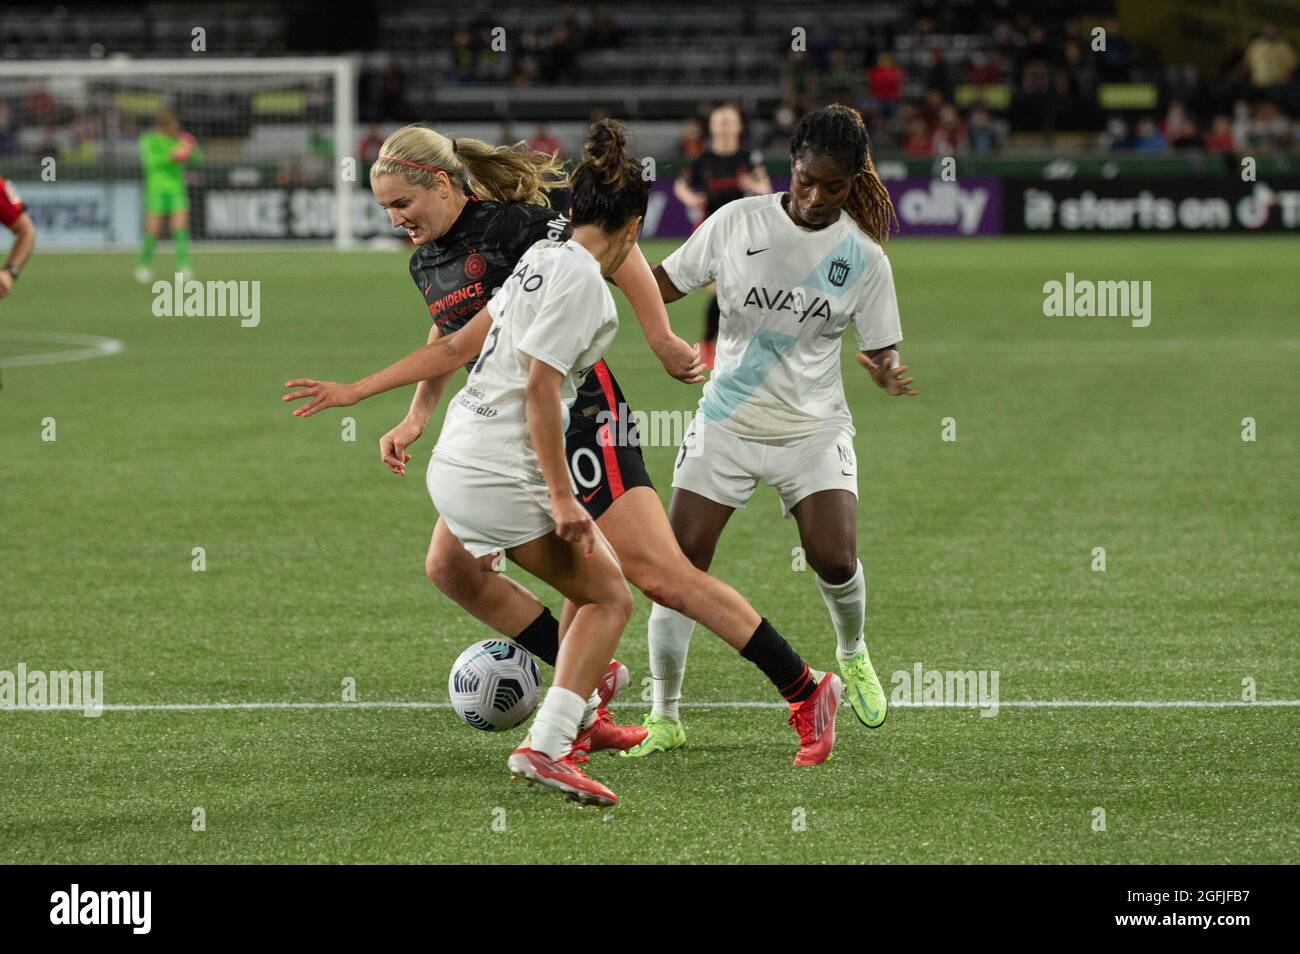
<point>555,308</point>
<point>786,295</point>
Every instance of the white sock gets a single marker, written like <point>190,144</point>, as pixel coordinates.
<point>557,722</point>
<point>847,603</point>
<point>669,634</point>
<point>589,716</point>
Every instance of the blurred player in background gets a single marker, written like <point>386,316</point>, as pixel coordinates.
<point>721,174</point>
<point>14,217</point>
<point>165,151</point>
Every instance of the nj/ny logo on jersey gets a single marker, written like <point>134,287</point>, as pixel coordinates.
<point>795,300</point>
<point>838,273</point>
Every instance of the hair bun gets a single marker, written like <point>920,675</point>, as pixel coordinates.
<point>606,143</point>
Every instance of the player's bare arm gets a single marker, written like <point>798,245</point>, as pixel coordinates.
<point>668,292</point>
<point>885,369</point>
<point>546,428</point>
<point>433,360</point>
<point>393,445</point>
<point>679,358</point>
<point>24,241</point>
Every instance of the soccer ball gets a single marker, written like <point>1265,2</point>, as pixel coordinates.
<point>494,685</point>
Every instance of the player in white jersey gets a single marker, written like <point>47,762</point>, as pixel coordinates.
<point>794,271</point>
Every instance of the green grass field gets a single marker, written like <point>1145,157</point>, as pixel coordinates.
<point>1072,433</point>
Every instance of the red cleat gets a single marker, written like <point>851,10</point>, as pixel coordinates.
<point>814,720</point>
<point>612,683</point>
<point>562,775</point>
<point>606,735</point>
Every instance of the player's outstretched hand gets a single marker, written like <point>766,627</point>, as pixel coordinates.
<point>573,524</point>
<point>887,374</point>
<point>6,282</point>
<point>682,361</point>
<point>393,445</point>
<point>321,394</point>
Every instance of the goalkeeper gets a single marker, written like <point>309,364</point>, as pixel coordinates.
<point>165,151</point>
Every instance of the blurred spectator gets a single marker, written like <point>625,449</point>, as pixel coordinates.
<point>1179,130</point>
<point>1220,140</point>
<point>931,107</point>
<point>950,137</point>
<point>885,84</point>
<point>1270,59</point>
<point>985,133</point>
<point>984,69</point>
<point>1269,130</point>
<point>918,140</point>
<point>1147,138</point>
<point>543,141</point>
<point>1116,136</point>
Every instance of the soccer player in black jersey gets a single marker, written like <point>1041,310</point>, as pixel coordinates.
<point>446,193</point>
<point>721,174</point>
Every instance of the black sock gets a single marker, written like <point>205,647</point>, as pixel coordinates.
<point>769,651</point>
<point>542,637</point>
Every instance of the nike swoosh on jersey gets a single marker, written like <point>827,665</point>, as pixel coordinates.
<point>755,251</point>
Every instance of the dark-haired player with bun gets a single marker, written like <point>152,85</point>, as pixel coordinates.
<point>722,173</point>
<point>635,525</point>
<point>472,210</point>
<point>793,271</point>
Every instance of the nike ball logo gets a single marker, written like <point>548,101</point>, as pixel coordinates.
<point>755,251</point>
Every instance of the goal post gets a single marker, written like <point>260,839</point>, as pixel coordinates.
<point>276,136</point>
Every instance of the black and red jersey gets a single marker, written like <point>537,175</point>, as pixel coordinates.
<point>718,177</point>
<point>460,271</point>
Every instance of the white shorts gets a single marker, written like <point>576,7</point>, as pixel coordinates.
<point>726,468</point>
<point>486,511</point>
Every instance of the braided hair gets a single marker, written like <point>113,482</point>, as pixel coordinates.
<point>838,132</point>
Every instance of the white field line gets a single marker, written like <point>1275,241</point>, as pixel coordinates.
<point>1008,704</point>
<point>91,346</point>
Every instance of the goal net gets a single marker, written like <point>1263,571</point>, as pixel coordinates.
<point>275,159</point>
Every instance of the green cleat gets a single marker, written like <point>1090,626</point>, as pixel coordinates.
<point>662,735</point>
<point>862,690</point>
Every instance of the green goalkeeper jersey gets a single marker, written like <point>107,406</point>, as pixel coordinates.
<point>160,169</point>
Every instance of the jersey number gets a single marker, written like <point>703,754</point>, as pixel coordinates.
<point>487,352</point>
